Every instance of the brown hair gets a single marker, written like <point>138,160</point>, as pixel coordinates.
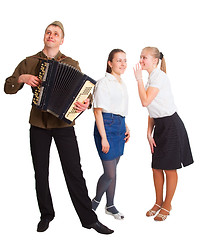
<point>157,54</point>
<point>111,56</point>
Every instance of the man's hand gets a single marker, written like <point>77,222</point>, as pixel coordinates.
<point>29,79</point>
<point>80,107</point>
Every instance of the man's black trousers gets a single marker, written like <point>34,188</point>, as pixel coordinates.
<point>66,143</point>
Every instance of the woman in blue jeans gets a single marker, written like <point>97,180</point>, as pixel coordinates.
<point>111,131</point>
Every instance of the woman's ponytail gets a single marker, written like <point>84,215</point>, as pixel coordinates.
<point>163,63</point>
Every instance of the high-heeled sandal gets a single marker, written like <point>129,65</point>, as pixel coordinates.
<point>151,212</point>
<point>162,216</point>
<point>118,215</point>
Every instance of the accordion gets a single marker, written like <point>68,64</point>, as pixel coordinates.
<point>61,86</point>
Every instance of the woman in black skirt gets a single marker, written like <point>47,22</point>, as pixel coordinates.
<point>166,133</point>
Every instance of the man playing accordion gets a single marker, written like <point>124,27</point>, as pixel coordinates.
<point>44,127</point>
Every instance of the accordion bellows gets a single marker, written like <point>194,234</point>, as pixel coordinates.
<point>61,86</point>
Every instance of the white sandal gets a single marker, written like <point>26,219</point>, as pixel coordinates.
<point>162,216</point>
<point>118,216</point>
<point>152,212</point>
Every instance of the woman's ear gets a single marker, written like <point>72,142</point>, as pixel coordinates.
<point>155,61</point>
<point>110,64</point>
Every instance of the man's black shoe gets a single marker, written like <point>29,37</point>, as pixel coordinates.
<point>43,225</point>
<point>99,227</point>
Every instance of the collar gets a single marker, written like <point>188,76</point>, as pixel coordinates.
<point>40,55</point>
<point>156,70</point>
<point>57,57</point>
<point>110,77</point>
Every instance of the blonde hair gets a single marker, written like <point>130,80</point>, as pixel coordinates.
<point>157,54</point>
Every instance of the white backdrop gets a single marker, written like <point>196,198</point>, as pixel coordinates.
<point>92,30</point>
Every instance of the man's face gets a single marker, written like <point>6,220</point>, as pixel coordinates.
<point>53,37</point>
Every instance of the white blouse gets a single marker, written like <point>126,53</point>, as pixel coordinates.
<point>163,104</point>
<point>111,95</point>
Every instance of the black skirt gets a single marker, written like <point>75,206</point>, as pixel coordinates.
<point>172,144</point>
